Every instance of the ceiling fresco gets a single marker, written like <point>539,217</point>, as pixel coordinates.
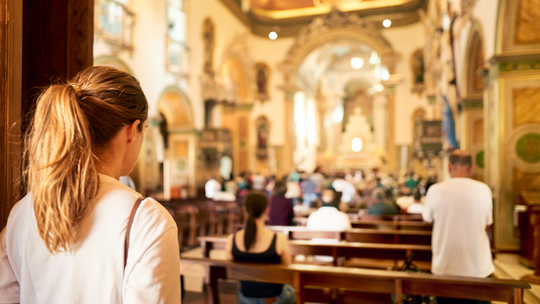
<point>288,16</point>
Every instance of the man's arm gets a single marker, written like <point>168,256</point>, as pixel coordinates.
<point>427,212</point>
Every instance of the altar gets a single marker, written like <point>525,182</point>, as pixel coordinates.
<point>357,148</point>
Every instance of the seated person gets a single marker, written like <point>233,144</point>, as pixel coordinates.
<point>309,191</point>
<point>381,205</point>
<point>418,206</point>
<point>328,217</point>
<point>256,244</point>
<point>281,208</point>
<point>211,187</point>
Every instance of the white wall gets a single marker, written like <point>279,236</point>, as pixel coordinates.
<point>406,40</point>
<point>226,28</point>
<point>148,59</point>
<point>272,53</point>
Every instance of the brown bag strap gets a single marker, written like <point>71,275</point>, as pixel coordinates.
<point>128,229</point>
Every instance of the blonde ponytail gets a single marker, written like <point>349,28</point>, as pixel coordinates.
<point>63,177</point>
<point>72,123</point>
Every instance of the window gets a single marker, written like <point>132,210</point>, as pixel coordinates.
<point>176,59</point>
<point>114,23</point>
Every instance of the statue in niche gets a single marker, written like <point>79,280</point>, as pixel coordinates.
<point>418,70</point>
<point>262,137</point>
<point>262,74</point>
<point>209,43</point>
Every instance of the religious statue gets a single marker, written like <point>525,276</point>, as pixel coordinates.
<point>262,137</point>
<point>262,75</point>
<point>208,37</point>
<point>418,70</point>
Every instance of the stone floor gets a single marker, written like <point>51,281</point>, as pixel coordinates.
<point>507,266</point>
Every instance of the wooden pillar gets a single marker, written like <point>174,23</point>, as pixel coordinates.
<point>11,26</point>
<point>41,41</point>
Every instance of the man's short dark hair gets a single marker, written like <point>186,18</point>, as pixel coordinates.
<point>460,157</point>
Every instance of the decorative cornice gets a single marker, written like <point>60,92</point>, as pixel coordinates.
<point>472,102</point>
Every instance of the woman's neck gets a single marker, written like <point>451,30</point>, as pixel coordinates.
<point>260,222</point>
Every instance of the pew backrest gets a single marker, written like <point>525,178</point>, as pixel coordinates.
<point>363,280</point>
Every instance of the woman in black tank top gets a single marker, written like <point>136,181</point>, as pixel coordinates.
<point>257,244</point>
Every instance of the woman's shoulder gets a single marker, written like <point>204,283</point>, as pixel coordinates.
<point>22,208</point>
<point>154,214</point>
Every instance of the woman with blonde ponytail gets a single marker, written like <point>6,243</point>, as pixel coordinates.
<point>79,235</point>
<point>257,244</point>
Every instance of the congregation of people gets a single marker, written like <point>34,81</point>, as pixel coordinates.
<point>362,192</point>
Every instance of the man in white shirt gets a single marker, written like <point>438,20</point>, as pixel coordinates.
<point>212,187</point>
<point>328,217</point>
<point>460,210</point>
<point>345,187</point>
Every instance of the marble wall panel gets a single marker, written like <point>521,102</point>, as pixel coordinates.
<point>527,22</point>
<point>478,131</point>
<point>526,106</point>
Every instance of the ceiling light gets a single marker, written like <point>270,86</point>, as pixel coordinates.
<point>357,63</point>
<point>272,35</point>
<point>385,75</point>
<point>387,23</point>
<point>373,58</point>
<point>379,88</point>
<point>356,144</point>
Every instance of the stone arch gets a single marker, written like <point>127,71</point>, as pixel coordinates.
<point>113,62</point>
<point>333,27</point>
<point>474,61</point>
<point>175,106</point>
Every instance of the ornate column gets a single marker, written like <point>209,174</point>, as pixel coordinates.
<point>390,139</point>
<point>380,120</point>
<point>290,137</point>
<point>512,124</point>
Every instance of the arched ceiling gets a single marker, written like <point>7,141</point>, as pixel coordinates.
<point>332,61</point>
<point>287,17</point>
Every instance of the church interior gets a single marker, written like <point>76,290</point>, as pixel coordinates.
<point>244,94</point>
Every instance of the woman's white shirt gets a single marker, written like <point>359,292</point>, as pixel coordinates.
<point>92,269</point>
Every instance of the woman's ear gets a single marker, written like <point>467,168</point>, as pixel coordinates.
<point>132,130</point>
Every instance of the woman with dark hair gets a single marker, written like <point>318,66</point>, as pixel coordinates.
<point>257,244</point>
<point>281,208</point>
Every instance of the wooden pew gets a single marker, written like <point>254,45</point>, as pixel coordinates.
<point>398,217</point>
<point>384,236</point>
<point>401,225</point>
<point>376,223</point>
<point>347,250</point>
<point>353,284</point>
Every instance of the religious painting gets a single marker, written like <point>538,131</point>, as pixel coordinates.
<point>262,137</point>
<point>418,70</point>
<point>209,43</point>
<point>262,74</point>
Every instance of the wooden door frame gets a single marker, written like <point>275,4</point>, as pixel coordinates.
<point>11,28</point>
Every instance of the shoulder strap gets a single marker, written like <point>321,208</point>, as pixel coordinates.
<point>128,229</point>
